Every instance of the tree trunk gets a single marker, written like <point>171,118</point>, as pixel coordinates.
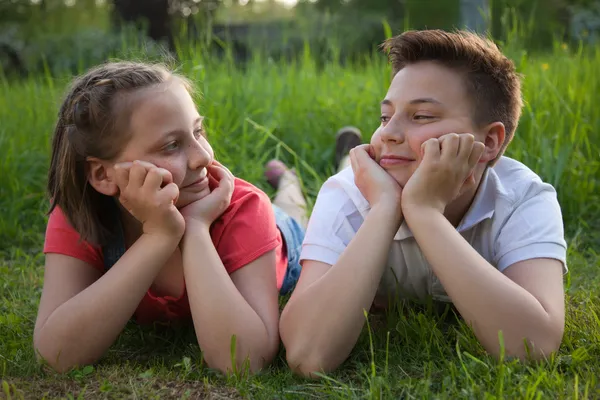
<point>155,13</point>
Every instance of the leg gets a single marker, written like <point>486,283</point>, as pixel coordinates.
<point>346,139</point>
<point>289,195</point>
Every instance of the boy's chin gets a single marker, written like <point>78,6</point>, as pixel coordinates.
<point>400,178</point>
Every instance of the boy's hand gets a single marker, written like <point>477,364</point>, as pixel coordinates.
<point>445,171</point>
<point>375,183</point>
<point>206,210</point>
<point>149,194</point>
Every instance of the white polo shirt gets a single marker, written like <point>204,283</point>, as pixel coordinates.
<point>514,217</point>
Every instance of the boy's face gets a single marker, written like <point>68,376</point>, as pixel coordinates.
<point>425,100</point>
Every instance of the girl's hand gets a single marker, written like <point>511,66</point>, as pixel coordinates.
<point>206,210</point>
<point>149,194</point>
<point>446,171</point>
<point>374,182</point>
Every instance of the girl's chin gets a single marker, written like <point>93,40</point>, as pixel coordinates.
<point>186,199</point>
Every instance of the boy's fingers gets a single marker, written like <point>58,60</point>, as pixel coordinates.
<point>430,149</point>
<point>353,162</point>
<point>465,146</point>
<point>476,153</point>
<point>449,145</point>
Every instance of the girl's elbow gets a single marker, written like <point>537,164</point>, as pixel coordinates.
<point>57,361</point>
<point>252,363</point>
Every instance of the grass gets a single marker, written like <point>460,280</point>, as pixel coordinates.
<point>270,109</point>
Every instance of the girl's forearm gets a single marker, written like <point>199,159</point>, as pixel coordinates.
<point>220,311</point>
<point>80,330</point>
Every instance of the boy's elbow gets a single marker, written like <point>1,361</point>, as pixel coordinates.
<point>533,349</point>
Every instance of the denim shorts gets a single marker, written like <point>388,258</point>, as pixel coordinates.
<point>293,235</point>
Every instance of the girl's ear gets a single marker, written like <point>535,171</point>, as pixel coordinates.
<point>494,140</point>
<point>101,175</point>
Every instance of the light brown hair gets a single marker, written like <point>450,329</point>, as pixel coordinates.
<point>93,122</point>
<point>492,83</point>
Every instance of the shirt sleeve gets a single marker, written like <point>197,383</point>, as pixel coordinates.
<point>247,229</point>
<point>533,230</point>
<point>330,230</point>
<point>62,238</point>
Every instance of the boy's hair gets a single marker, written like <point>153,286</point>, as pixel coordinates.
<point>492,82</point>
<point>93,122</point>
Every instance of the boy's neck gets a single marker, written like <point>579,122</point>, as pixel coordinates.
<point>457,209</point>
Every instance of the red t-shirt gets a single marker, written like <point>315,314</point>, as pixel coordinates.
<point>244,232</point>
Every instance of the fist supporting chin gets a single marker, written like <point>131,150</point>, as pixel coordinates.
<point>187,198</point>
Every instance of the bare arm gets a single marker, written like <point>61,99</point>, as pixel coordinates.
<point>81,313</point>
<point>526,303</point>
<point>325,315</point>
<point>244,304</point>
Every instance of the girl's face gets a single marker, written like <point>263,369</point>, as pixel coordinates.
<point>166,130</point>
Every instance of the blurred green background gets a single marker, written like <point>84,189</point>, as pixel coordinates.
<point>66,36</point>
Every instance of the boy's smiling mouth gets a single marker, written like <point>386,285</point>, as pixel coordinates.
<point>388,160</point>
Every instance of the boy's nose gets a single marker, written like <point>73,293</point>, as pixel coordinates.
<point>393,132</point>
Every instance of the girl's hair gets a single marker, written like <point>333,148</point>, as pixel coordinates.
<point>93,122</point>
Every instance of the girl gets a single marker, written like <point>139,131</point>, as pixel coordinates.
<point>145,222</point>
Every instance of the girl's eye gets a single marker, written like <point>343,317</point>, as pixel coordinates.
<point>422,117</point>
<point>384,119</point>
<point>171,146</point>
<point>198,133</point>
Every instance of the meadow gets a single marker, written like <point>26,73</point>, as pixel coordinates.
<point>290,110</point>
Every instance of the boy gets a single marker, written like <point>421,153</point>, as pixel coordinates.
<point>431,209</point>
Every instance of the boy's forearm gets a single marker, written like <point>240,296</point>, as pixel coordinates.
<point>487,299</point>
<point>321,325</point>
<point>81,330</point>
<point>220,311</point>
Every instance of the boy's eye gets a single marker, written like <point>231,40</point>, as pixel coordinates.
<point>422,117</point>
<point>384,119</point>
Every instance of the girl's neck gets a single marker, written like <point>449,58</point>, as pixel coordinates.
<point>132,228</point>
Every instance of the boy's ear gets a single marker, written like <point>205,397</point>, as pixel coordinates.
<point>101,176</point>
<point>493,141</point>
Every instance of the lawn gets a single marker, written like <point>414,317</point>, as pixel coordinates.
<point>291,110</point>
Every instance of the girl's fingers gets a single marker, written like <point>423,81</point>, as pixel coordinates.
<point>170,192</point>
<point>122,175</point>
<point>137,175</point>
<point>218,172</point>
<point>153,180</point>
